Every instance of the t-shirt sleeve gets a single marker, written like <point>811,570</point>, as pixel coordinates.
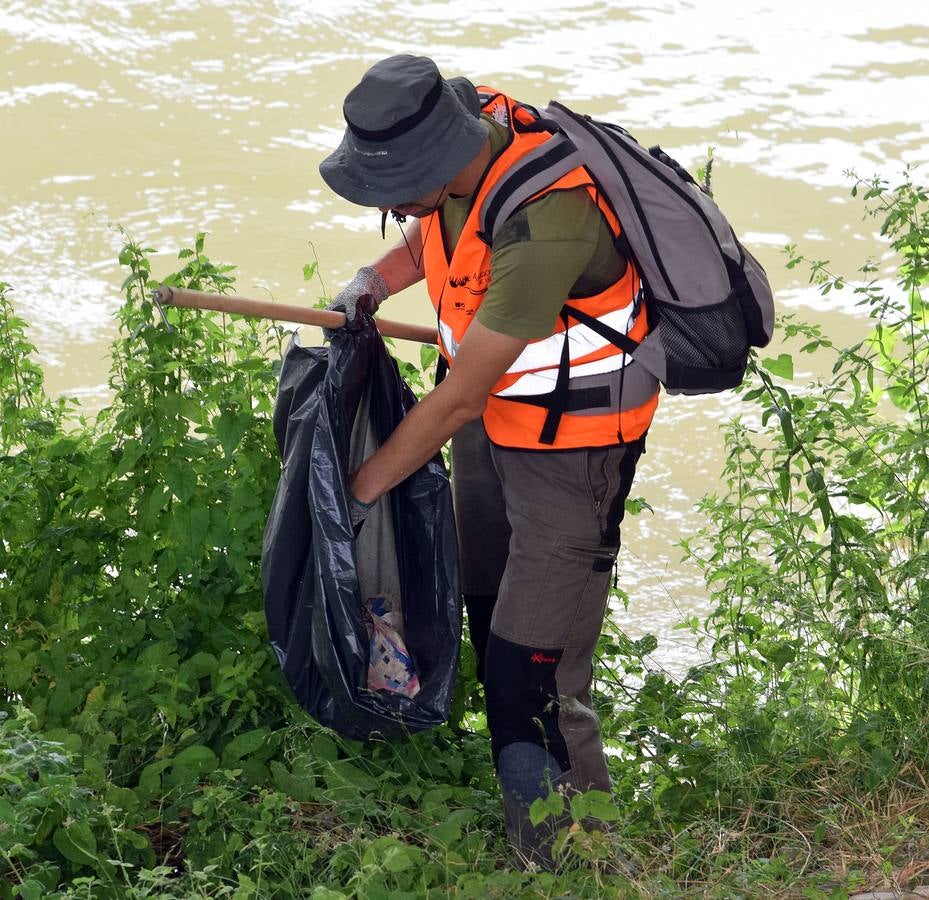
<point>538,256</point>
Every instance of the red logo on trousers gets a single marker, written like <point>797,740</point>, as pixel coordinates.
<point>542,658</point>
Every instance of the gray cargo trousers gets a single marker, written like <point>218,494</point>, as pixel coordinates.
<point>538,535</point>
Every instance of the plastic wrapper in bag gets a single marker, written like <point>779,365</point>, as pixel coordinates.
<point>390,664</point>
<point>334,407</point>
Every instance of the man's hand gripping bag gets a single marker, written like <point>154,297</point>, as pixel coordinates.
<point>334,408</point>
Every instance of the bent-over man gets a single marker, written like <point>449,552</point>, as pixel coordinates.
<point>547,418</point>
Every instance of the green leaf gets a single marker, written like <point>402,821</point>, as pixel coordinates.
<point>538,811</point>
<point>818,487</point>
<point>435,799</point>
<point>398,859</point>
<point>230,428</point>
<point>64,699</point>
<point>244,745</point>
<point>543,807</point>
<point>579,807</point>
<point>782,367</point>
<point>787,426</point>
<point>198,758</point>
<point>783,481</point>
<point>7,812</point>
<point>190,523</point>
<point>674,796</point>
<point>449,832</point>
<point>151,506</point>
<point>63,446</point>
<point>635,505</point>
<point>601,806</point>
<point>121,798</point>
<point>30,889</point>
<point>76,843</point>
<point>247,889</point>
<point>200,665</point>
<point>150,778</point>
<point>428,354</point>
<point>324,747</point>
<point>301,788</point>
<point>344,772</point>
<point>779,653</point>
<point>309,270</point>
<point>182,479</point>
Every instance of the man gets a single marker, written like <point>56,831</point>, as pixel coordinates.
<point>547,418</point>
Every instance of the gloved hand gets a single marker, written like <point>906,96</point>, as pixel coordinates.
<point>363,294</point>
<point>358,511</point>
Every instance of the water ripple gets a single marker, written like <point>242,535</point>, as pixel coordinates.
<point>179,116</point>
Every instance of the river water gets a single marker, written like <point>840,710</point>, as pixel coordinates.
<point>174,117</point>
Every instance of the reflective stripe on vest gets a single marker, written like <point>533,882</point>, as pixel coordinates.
<point>603,397</point>
<point>546,353</point>
<point>543,382</point>
<point>582,341</point>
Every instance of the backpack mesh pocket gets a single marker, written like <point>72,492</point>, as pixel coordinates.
<point>706,347</point>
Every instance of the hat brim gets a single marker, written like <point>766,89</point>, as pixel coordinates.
<point>411,166</point>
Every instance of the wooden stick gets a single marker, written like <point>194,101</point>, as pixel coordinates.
<point>265,309</point>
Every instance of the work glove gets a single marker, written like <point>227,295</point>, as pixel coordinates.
<point>362,295</point>
<point>358,511</point>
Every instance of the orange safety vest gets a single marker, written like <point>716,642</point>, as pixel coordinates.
<point>569,390</point>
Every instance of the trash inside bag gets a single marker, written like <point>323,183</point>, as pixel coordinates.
<point>366,630</point>
<point>390,665</point>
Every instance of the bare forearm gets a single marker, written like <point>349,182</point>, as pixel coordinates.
<point>398,265</point>
<point>483,356</point>
<point>421,434</point>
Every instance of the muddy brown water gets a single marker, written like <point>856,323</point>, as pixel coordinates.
<point>176,117</point>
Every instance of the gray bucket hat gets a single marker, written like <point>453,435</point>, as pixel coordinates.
<point>410,131</point>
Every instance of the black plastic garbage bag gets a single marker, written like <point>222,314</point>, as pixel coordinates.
<point>334,407</point>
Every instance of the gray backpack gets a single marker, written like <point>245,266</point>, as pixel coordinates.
<point>708,298</point>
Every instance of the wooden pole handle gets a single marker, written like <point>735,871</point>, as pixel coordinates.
<point>265,309</point>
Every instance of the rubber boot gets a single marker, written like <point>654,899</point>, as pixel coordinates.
<point>528,772</point>
<point>531,843</point>
<point>534,843</point>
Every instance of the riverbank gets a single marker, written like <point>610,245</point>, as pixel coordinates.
<point>149,746</point>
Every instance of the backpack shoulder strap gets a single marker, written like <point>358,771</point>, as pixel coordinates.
<point>534,172</point>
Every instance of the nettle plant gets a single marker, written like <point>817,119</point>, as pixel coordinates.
<point>133,648</point>
<point>145,729</point>
<point>130,549</point>
<point>816,557</point>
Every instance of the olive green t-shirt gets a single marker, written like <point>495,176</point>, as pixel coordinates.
<point>547,250</point>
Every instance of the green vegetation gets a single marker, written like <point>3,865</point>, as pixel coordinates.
<point>148,746</point>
